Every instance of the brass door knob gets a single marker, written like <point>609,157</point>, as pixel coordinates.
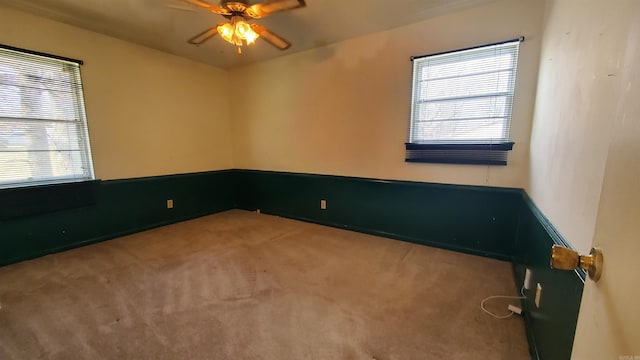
<point>563,258</point>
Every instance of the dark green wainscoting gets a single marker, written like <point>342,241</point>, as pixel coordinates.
<point>471,219</point>
<point>551,327</point>
<point>487,221</point>
<point>114,208</point>
<point>499,223</point>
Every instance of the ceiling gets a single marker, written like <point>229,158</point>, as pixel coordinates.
<point>152,23</point>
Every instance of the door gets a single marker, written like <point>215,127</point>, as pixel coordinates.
<point>609,320</point>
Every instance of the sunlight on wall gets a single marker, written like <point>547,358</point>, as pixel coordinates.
<point>149,113</point>
<point>344,109</point>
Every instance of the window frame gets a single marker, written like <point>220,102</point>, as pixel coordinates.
<point>476,152</point>
<point>80,125</point>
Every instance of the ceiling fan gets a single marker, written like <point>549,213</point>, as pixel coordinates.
<point>237,30</point>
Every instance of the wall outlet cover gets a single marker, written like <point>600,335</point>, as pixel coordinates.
<point>538,295</point>
<point>527,279</point>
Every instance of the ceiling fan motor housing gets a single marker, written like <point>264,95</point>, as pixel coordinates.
<point>235,6</point>
<point>238,8</point>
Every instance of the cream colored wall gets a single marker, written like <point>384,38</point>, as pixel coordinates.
<point>149,113</point>
<point>344,109</point>
<point>582,53</point>
<point>609,321</point>
<point>585,159</point>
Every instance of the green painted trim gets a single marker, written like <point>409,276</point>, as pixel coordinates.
<point>553,232</point>
<point>551,328</point>
<point>491,189</point>
<point>42,199</point>
<point>478,220</point>
<point>169,176</point>
<point>501,223</point>
<point>121,207</point>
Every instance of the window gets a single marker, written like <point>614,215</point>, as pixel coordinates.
<point>43,127</point>
<point>461,105</point>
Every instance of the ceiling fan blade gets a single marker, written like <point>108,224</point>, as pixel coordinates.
<point>271,37</point>
<point>271,6</point>
<point>205,5</point>
<point>181,8</point>
<point>203,36</point>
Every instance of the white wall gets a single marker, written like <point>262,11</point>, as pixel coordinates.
<point>149,113</point>
<point>343,109</point>
<point>583,49</point>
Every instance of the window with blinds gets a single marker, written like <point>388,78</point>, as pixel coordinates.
<point>43,126</point>
<point>461,105</point>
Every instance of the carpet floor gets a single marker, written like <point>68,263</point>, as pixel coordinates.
<point>241,285</point>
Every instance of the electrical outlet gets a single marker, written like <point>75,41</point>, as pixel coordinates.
<point>323,204</point>
<point>169,203</point>
<point>527,279</point>
<point>538,295</point>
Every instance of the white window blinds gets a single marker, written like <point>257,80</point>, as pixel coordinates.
<point>43,126</point>
<point>464,97</point>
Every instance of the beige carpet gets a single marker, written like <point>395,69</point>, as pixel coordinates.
<point>239,285</point>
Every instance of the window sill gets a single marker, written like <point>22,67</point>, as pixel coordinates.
<point>470,154</point>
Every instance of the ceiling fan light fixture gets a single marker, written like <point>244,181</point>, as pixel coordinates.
<point>244,31</point>
<point>238,32</point>
<point>226,32</point>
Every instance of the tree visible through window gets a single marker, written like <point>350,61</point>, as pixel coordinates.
<point>43,127</point>
<point>461,102</point>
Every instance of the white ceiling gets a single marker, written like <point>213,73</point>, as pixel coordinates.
<point>151,23</point>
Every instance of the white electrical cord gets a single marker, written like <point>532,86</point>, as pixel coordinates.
<point>501,297</point>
